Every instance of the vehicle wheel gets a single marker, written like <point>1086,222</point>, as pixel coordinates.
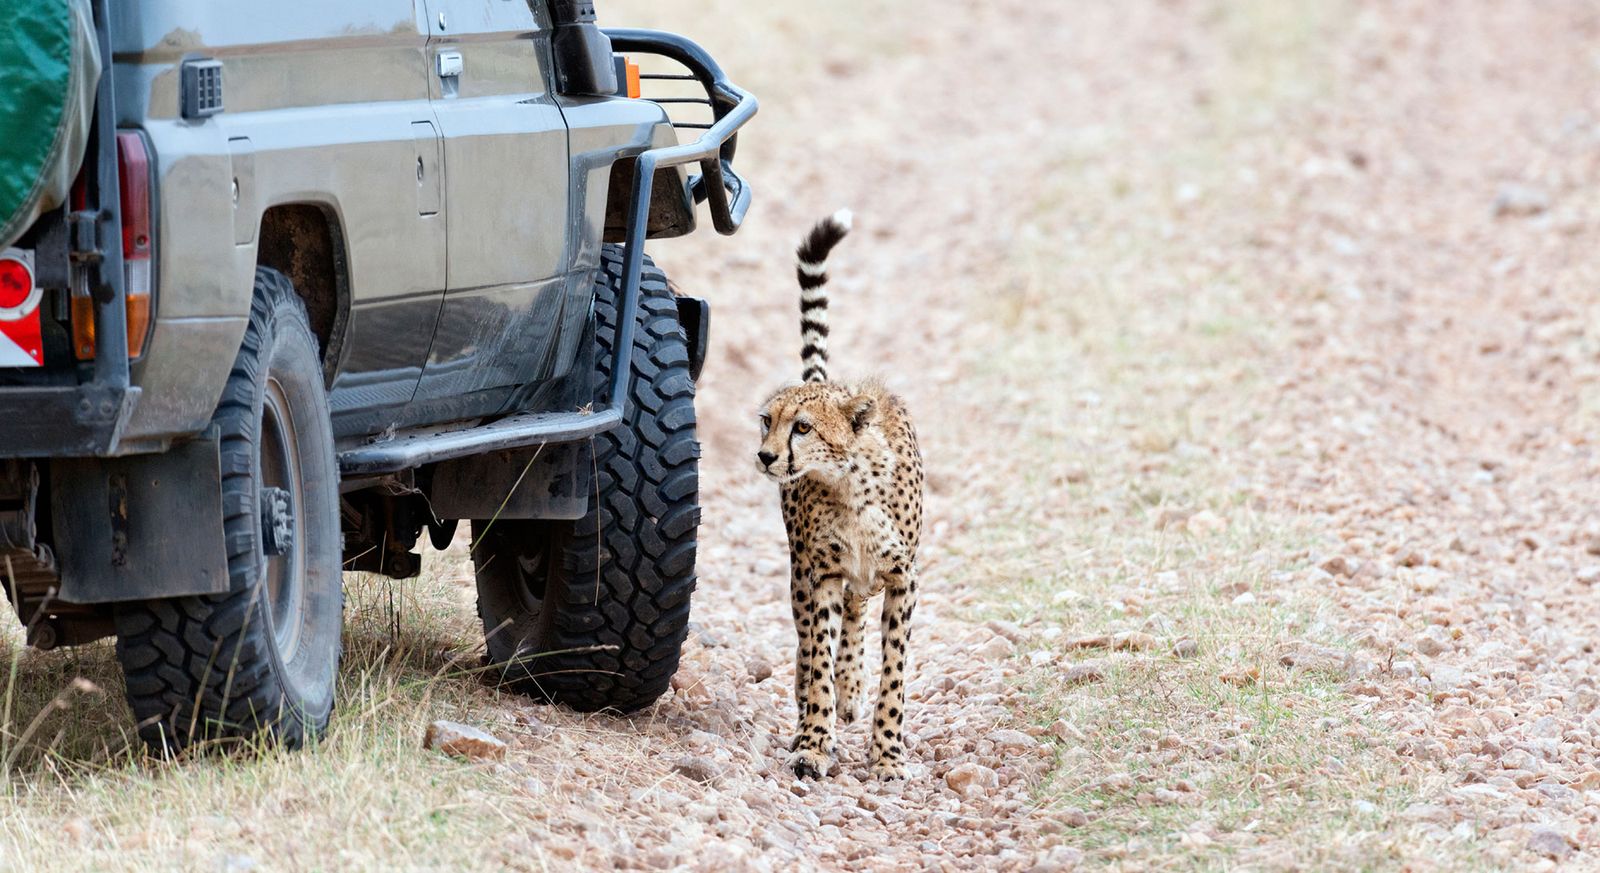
<point>593,613</point>
<point>261,659</point>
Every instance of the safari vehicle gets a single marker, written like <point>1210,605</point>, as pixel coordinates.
<point>284,285</point>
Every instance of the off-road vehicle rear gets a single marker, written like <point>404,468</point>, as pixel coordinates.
<point>286,286</point>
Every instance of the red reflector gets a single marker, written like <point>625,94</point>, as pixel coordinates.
<point>20,338</point>
<point>16,283</point>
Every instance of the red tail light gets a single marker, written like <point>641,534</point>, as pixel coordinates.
<point>16,284</point>
<point>133,162</point>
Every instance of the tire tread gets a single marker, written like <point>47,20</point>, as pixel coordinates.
<point>620,650</point>
<point>195,667</point>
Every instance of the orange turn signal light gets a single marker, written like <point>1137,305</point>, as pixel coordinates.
<point>83,325</point>
<point>633,78</point>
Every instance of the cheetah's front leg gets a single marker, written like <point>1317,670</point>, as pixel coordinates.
<point>888,753</point>
<point>850,661</point>
<point>817,608</point>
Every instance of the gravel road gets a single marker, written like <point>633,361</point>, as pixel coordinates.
<point>1417,226</point>
<point>1393,204</point>
<point>1417,223</point>
<point>903,283</point>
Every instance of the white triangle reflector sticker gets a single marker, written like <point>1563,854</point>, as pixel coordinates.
<point>12,355</point>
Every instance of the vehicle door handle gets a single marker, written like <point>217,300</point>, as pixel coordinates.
<point>449,64</point>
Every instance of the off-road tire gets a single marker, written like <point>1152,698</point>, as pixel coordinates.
<point>228,666</point>
<point>593,614</point>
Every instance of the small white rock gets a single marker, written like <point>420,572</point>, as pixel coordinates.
<point>1549,842</point>
<point>1057,860</point>
<point>1433,642</point>
<point>995,649</point>
<point>1515,198</point>
<point>969,778</point>
<point>1088,671</point>
<point>1007,629</point>
<point>1012,741</point>
<point>1205,523</point>
<point>463,741</point>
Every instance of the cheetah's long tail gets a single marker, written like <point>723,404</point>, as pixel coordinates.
<point>811,263</point>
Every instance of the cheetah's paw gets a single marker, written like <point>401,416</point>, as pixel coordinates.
<point>890,769</point>
<point>809,764</point>
<point>850,708</point>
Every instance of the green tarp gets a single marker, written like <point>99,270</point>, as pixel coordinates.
<point>49,66</point>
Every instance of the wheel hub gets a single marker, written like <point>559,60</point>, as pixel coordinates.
<point>277,522</point>
<point>284,567</point>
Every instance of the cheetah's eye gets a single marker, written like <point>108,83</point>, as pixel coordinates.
<point>802,428</point>
<point>766,423</point>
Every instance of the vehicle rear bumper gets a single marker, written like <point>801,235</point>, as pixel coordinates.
<point>63,421</point>
<point>172,393</point>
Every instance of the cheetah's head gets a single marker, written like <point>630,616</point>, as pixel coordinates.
<point>813,429</point>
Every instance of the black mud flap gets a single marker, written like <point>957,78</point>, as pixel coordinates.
<point>695,316</point>
<point>552,481</point>
<point>140,527</point>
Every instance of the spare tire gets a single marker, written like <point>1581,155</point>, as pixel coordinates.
<point>49,68</point>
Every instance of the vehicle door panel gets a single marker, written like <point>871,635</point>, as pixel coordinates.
<point>506,180</point>
<point>324,113</point>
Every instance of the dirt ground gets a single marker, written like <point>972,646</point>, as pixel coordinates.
<point>1255,352</point>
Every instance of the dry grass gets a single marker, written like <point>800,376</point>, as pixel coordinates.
<point>81,794</point>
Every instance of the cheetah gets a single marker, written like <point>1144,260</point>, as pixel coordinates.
<point>849,472</point>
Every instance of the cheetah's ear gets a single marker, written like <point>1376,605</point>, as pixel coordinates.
<point>860,409</point>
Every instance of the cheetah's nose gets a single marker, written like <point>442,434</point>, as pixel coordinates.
<point>766,458</point>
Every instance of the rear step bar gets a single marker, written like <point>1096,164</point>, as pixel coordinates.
<point>729,199</point>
